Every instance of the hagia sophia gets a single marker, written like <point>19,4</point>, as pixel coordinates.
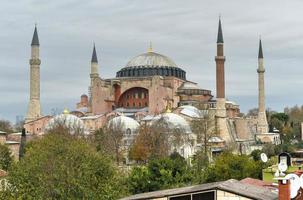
<point>150,86</point>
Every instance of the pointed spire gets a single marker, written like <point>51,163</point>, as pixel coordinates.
<point>220,34</point>
<point>35,40</point>
<point>260,50</point>
<point>94,56</point>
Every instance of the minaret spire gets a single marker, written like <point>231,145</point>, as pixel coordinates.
<point>35,40</point>
<point>260,50</point>
<point>262,125</point>
<point>94,56</point>
<point>220,34</point>
<point>34,108</point>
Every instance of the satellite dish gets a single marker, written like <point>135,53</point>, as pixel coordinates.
<point>282,166</point>
<point>301,181</point>
<point>264,157</point>
<point>295,184</point>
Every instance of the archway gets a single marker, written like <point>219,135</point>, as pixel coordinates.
<point>136,97</point>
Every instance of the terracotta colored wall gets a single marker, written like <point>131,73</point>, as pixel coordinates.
<point>37,126</point>
<point>104,95</point>
<point>134,98</point>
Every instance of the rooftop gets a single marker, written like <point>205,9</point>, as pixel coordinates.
<point>231,185</point>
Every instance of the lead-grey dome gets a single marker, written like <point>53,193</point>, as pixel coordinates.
<point>151,59</point>
<point>151,64</point>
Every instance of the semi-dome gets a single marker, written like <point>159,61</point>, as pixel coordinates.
<point>151,64</point>
<point>175,121</point>
<point>73,123</point>
<point>124,123</point>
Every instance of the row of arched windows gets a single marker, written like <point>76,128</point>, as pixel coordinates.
<point>150,71</point>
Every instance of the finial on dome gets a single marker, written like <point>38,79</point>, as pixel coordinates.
<point>150,48</point>
<point>65,111</point>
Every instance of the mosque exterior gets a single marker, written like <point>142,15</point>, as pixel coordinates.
<point>151,85</point>
<point>147,84</point>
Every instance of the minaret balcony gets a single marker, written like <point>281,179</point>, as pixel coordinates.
<point>35,61</point>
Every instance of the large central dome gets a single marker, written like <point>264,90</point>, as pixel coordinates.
<point>151,64</point>
<point>151,59</point>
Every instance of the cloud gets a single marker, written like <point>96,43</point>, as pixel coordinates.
<point>185,31</point>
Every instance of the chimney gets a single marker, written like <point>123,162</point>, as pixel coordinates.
<point>284,189</point>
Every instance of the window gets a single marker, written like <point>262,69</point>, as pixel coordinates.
<point>140,104</point>
<point>134,104</point>
<point>128,132</point>
<point>145,104</point>
<point>127,104</point>
<point>184,197</point>
<point>204,195</point>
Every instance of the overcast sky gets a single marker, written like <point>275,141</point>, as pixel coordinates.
<point>185,31</point>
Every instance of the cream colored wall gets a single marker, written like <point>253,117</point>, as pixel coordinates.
<point>222,195</point>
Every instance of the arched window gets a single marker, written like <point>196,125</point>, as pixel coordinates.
<point>128,131</point>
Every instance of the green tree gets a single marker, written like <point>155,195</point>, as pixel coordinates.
<point>228,165</point>
<point>256,154</point>
<point>269,149</point>
<point>160,173</point>
<point>63,166</point>
<point>6,126</point>
<point>5,157</point>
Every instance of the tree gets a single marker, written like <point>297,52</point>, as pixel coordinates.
<point>150,142</point>
<point>256,154</point>
<point>160,173</point>
<point>157,140</point>
<point>109,140</point>
<point>63,166</point>
<point>204,128</point>
<point>5,157</point>
<point>6,126</point>
<point>252,112</point>
<point>228,165</point>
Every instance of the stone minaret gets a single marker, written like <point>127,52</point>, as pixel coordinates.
<point>34,109</point>
<point>94,66</point>
<point>262,126</point>
<point>221,122</point>
<point>94,73</point>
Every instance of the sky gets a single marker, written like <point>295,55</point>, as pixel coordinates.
<point>185,31</point>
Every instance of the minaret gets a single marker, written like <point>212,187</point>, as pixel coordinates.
<point>94,66</point>
<point>262,126</point>
<point>221,123</point>
<point>94,73</point>
<point>220,59</point>
<point>220,79</point>
<point>34,110</point>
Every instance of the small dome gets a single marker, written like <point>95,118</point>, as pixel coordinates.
<point>175,121</point>
<point>151,59</point>
<point>72,122</point>
<point>191,111</point>
<point>124,123</point>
